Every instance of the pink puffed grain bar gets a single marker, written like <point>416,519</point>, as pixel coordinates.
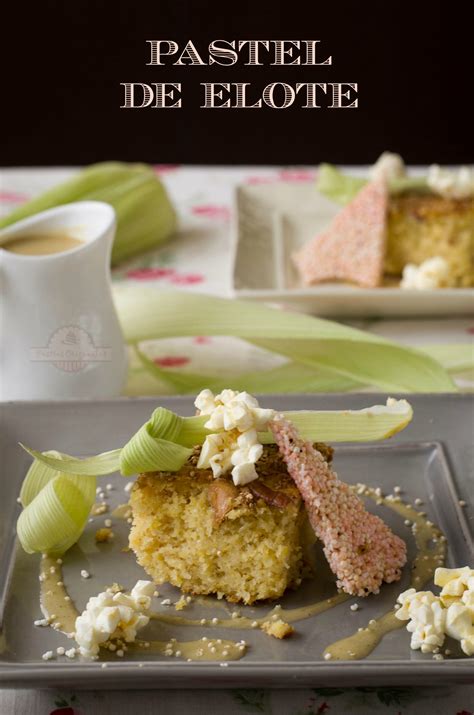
<point>352,248</point>
<point>360,548</point>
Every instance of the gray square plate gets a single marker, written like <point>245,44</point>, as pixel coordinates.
<point>432,459</point>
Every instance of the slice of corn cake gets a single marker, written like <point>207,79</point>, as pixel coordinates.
<point>424,225</point>
<point>206,535</point>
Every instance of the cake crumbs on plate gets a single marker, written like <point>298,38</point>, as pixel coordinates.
<point>278,629</point>
<point>104,535</point>
<point>99,508</point>
<point>181,604</point>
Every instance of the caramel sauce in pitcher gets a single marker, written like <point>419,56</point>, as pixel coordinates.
<point>42,244</point>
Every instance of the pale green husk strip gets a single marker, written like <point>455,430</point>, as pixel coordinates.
<point>156,445</point>
<point>371,423</point>
<point>101,464</point>
<point>59,490</point>
<point>454,358</point>
<point>164,442</point>
<point>292,377</point>
<point>354,357</point>
<point>56,506</point>
<point>151,379</point>
<point>145,215</point>
<point>342,188</point>
<point>337,186</point>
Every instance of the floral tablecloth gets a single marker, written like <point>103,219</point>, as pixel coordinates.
<point>316,701</point>
<point>200,260</point>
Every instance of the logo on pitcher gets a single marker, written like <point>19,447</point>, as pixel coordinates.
<point>70,349</point>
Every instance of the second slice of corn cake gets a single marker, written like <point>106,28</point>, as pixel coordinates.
<point>421,226</point>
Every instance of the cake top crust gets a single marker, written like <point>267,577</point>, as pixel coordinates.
<point>274,485</point>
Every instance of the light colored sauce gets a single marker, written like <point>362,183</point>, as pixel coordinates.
<point>42,244</point>
<point>56,603</point>
<point>363,642</point>
<point>431,551</point>
<point>58,607</point>
<point>207,649</point>
<point>290,615</point>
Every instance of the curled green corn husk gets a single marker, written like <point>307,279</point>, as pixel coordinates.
<point>145,215</point>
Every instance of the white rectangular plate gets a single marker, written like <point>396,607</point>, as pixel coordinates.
<point>275,219</point>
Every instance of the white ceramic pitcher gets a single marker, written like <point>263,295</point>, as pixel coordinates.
<point>59,333</point>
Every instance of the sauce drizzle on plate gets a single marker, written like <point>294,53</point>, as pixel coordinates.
<point>431,545</point>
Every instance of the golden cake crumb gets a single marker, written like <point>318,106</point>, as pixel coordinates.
<point>181,604</point>
<point>103,535</point>
<point>421,225</point>
<point>278,629</point>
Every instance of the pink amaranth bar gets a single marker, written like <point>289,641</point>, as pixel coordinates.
<point>360,548</point>
<point>352,248</point>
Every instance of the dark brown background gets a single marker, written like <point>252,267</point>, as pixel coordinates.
<point>62,64</point>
